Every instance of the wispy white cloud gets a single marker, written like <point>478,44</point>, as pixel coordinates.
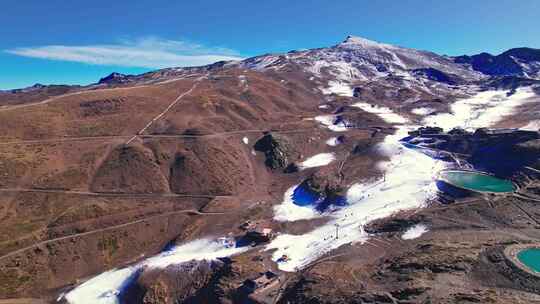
<point>150,52</point>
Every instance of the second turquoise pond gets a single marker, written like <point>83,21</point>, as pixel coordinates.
<point>477,181</point>
<point>530,258</point>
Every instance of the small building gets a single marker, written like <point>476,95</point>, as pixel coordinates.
<point>255,237</point>
<point>256,233</point>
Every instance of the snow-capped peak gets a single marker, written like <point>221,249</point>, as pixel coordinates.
<point>355,41</point>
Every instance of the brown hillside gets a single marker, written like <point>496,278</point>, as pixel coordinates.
<point>129,169</point>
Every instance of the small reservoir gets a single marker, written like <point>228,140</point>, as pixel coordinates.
<point>530,257</point>
<point>476,181</point>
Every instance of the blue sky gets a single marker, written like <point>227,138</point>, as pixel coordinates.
<point>77,42</point>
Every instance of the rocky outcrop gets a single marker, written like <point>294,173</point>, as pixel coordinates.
<point>323,189</point>
<point>392,225</point>
<point>496,269</point>
<point>436,75</point>
<point>530,148</point>
<point>191,282</point>
<point>499,151</point>
<point>326,182</point>
<point>277,149</point>
<point>115,78</point>
<point>510,83</point>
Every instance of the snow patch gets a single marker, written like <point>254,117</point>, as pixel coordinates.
<point>482,110</point>
<point>243,82</point>
<point>289,211</point>
<point>414,232</point>
<point>317,160</point>
<point>422,111</point>
<point>242,79</point>
<point>383,112</point>
<point>202,249</point>
<point>339,88</point>
<point>106,287</point>
<point>102,289</point>
<point>355,42</point>
<point>334,141</point>
<point>532,126</point>
<point>328,121</point>
<point>262,62</point>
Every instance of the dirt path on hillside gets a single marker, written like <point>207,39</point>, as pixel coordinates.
<point>167,109</point>
<point>87,90</point>
<point>106,194</point>
<point>190,211</point>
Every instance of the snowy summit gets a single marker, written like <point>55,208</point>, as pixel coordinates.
<point>356,41</point>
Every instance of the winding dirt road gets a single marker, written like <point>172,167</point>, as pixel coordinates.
<point>189,211</point>
<point>107,194</point>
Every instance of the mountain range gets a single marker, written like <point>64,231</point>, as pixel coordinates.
<point>305,177</point>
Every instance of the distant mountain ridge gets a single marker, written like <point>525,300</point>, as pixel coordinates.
<point>514,62</point>
<point>360,59</point>
<point>372,59</point>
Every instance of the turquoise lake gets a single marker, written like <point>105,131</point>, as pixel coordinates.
<point>530,258</point>
<point>477,181</point>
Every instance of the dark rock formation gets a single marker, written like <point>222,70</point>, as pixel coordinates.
<point>291,168</point>
<point>429,131</point>
<point>393,225</point>
<point>327,183</point>
<point>491,65</point>
<point>510,83</point>
<point>327,186</point>
<point>436,75</point>
<point>499,151</point>
<point>252,238</point>
<point>512,62</point>
<point>357,92</point>
<point>496,270</point>
<point>530,148</point>
<point>277,150</point>
<point>191,282</point>
<point>115,78</point>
